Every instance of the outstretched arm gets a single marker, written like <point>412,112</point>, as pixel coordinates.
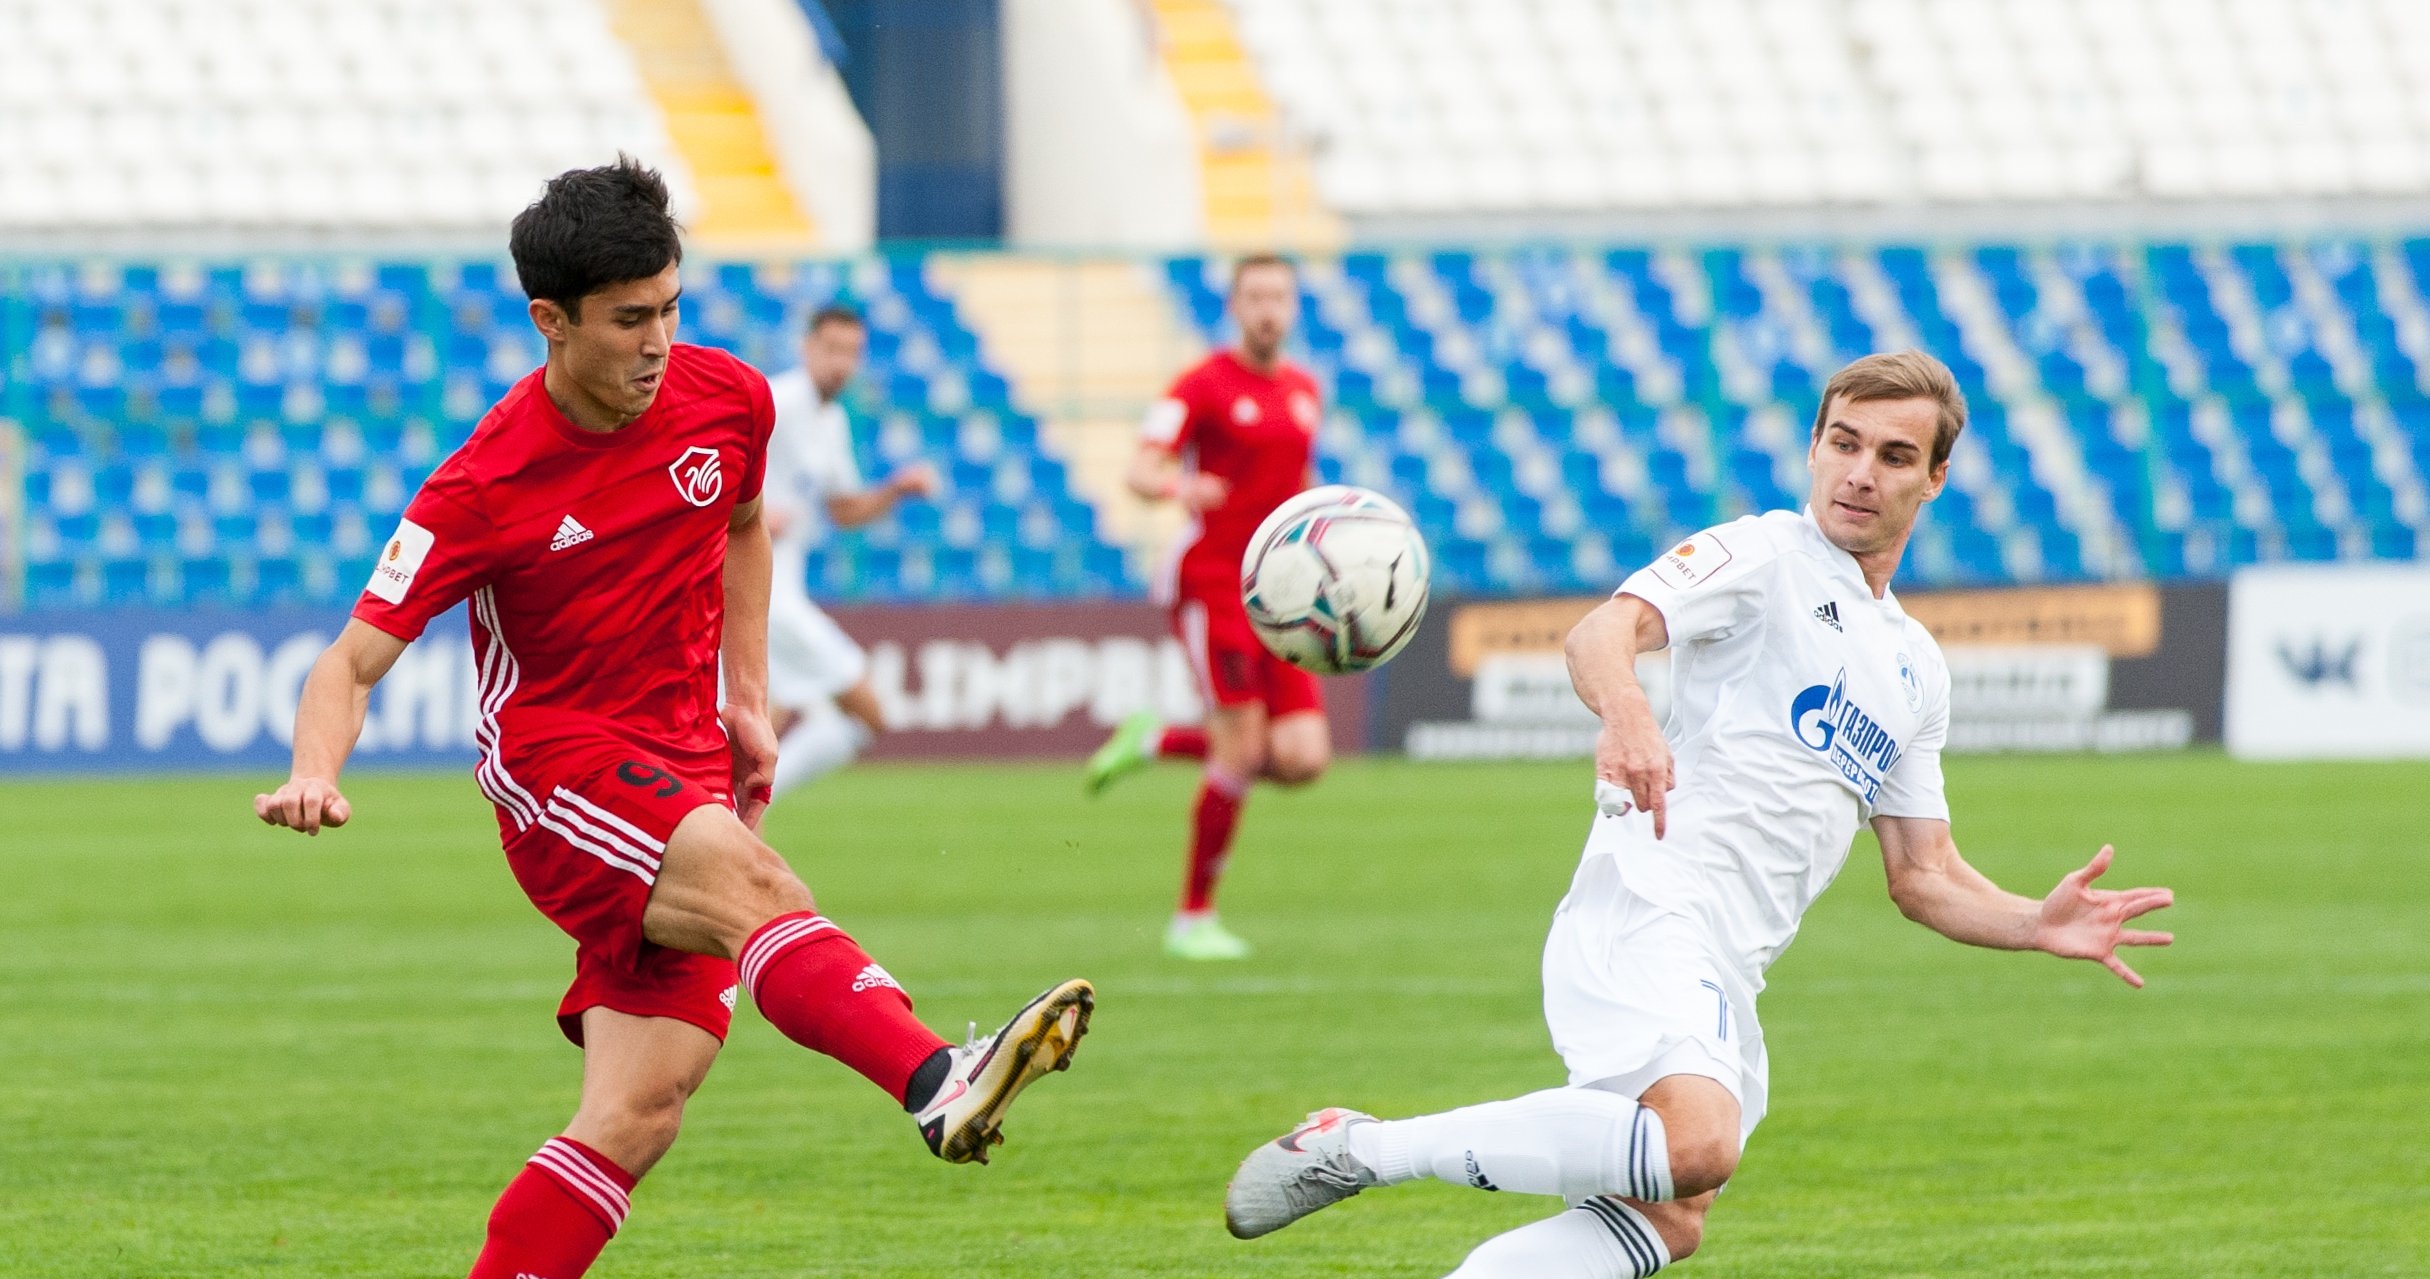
<point>851,510</point>
<point>1155,475</point>
<point>1630,752</point>
<point>750,571</point>
<point>1935,887</point>
<point>328,720</point>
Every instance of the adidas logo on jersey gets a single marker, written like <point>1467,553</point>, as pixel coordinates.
<point>873,977</point>
<point>569,533</point>
<point>1828,615</point>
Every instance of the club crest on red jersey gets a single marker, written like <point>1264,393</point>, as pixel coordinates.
<point>1304,410</point>
<point>1244,411</point>
<point>698,475</point>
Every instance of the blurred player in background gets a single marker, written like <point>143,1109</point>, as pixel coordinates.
<point>604,522</point>
<point>1804,703</point>
<point>1230,441</point>
<point>820,702</point>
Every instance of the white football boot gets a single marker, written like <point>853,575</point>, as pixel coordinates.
<point>967,1114</point>
<point>1307,1168</point>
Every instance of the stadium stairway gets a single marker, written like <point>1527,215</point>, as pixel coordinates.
<point>1087,344</point>
<point>1259,180</point>
<point>714,125</point>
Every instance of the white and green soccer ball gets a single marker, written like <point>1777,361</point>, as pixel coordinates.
<point>1335,580</point>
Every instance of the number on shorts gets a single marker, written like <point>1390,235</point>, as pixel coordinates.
<point>655,780</point>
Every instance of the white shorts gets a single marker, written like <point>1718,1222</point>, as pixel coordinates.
<point>810,659</point>
<point>1633,992</point>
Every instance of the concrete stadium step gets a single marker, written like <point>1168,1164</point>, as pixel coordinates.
<point>1088,344</point>
<point>714,125</point>
<point>1260,186</point>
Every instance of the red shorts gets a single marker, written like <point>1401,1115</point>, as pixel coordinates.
<point>585,820</point>
<point>1234,669</point>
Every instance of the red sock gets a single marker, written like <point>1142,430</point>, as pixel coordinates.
<point>555,1215</point>
<point>816,985</point>
<point>1181,743</point>
<point>1218,811</point>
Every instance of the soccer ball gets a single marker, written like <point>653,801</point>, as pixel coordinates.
<point>1335,580</point>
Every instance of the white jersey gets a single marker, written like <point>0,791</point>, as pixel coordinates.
<point>1801,706</point>
<point>809,461</point>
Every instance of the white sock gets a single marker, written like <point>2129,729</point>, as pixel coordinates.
<point>1599,1239</point>
<point>824,741</point>
<point>1571,1142</point>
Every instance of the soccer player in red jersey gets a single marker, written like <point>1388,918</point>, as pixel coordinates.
<point>1230,442</point>
<point>604,522</point>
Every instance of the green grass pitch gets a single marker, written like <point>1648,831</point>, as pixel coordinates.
<point>231,1051</point>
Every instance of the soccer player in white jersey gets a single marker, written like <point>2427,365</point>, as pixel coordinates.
<point>1804,702</point>
<point>821,704</point>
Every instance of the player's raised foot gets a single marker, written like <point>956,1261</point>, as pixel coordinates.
<point>1307,1168</point>
<point>967,1114</point>
<point>1202,937</point>
<point>1125,752</point>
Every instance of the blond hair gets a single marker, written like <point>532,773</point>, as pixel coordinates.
<point>1901,375</point>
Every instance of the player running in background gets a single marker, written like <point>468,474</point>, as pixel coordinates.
<point>818,679</point>
<point>604,522</point>
<point>1804,703</point>
<point>1230,442</point>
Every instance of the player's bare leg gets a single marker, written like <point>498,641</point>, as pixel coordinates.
<point>1237,754</point>
<point>637,1073</point>
<point>722,891</point>
<point>1299,748</point>
<point>569,1200</point>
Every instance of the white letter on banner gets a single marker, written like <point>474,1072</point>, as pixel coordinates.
<point>164,689</point>
<point>419,685</point>
<point>283,683</point>
<point>940,683</point>
<point>75,686</point>
<point>17,660</point>
<point>1177,696</point>
<point>986,686</point>
<point>1066,670</point>
<point>886,682</point>
<point>1125,679</point>
<point>228,692</point>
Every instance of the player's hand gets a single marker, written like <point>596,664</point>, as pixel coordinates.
<point>1631,755</point>
<point>1203,492</point>
<point>916,480</point>
<point>305,804</point>
<point>2079,921</point>
<point>754,745</point>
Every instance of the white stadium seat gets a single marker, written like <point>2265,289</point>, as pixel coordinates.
<point>1850,101</point>
<point>390,115</point>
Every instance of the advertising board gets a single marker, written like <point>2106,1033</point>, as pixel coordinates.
<point>2110,667</point>
<point>2329,661</point>
<point>135,689</point>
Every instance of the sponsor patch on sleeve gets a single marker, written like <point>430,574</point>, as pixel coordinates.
<point>1692,562</point>
<point>1164,419</point>
<point>393,575</point>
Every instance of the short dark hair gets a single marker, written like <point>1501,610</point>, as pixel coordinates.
<point>592,228</point>
<point>1256,260</point>
<point>834,313</point>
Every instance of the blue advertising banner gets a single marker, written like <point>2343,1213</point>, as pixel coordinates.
<point>130,690</point>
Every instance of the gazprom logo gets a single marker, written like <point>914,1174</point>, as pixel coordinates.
<point>1825,720</point>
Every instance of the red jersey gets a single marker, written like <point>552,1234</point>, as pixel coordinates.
<point>595,561</point>
<point>1254,431</point>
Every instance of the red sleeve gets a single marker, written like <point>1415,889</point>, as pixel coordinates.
<point>1172,422</point>
<point>439,554</point>
<point>763,426</point>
